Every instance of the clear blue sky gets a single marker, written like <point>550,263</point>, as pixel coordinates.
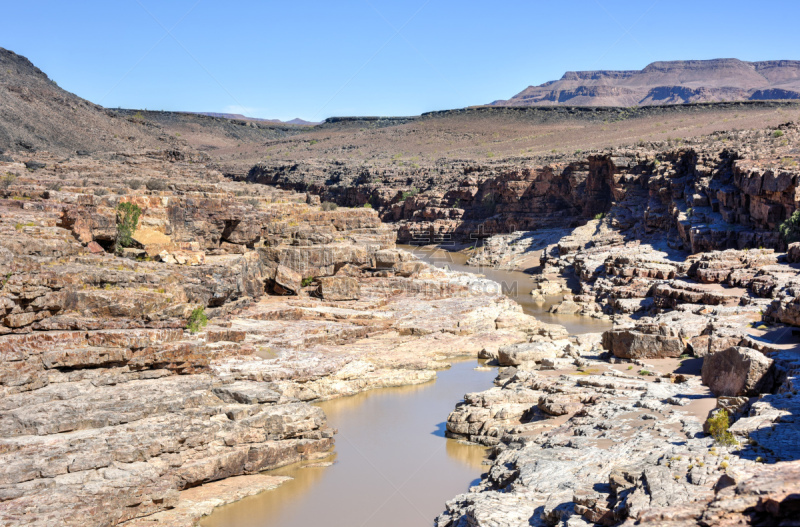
<point>314,59</point>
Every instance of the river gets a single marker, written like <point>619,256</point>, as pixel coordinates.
<point>392,465</point>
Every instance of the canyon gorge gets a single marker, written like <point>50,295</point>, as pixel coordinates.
<point>185,298</point>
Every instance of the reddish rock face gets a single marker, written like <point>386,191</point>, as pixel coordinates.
<point>94,247</point>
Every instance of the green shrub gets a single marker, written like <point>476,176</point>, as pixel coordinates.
<point>777,133</point>
<point>7,180</point>
<point>307,281</point>
<point>410,193</point>
<point>367,205</point>
<point>644,372</point>
<point>600,216</point>
<point>790,229</point>
<point>127,220</point>
<point>718,428</point>
<point>197,320</point>
<point>327,206</point>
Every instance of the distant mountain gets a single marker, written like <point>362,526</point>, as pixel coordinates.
<point>36,114</point>
<point>245,118</point>
<point>672,82</point>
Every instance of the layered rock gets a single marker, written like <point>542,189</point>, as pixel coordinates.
<point>727,190</point>
<point>135,407</point>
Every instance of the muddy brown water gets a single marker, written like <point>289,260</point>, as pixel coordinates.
<point>392,465</point>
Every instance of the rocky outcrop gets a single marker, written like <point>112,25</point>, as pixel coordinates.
<point>597,443</point>
<point>738,371</point>
<point>147,376</point>
<point>729,190</point>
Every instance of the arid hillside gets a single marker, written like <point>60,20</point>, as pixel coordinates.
<point>36,114</point>
<point>670,82</point>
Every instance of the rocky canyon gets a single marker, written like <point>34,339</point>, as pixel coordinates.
<point>178,292</point>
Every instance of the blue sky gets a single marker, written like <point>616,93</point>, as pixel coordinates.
<point>313,59</point>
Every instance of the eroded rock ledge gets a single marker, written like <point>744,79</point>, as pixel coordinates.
<point>113,413</point>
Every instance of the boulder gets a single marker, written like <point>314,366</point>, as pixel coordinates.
<point>793,254</point>
<point>517,354</point>
<point>339,288</point>
<point>634,343</point>
<point>95,248</point>
<point>287,281</point>
<point>738,371</point>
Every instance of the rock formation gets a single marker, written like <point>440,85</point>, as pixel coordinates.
<point>668,82</point>
<point>132,409</point>
<point>166,321</point>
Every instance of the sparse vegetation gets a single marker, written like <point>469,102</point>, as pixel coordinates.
<point>7,180</point>
<point>790,229</point>
<point>645,372</point>
<point>718,425</point>
<point>777,133</point>
<point>600,215</point>
<point>127,221</point>
<point>134,184</point>
<point>307,281</point>
<point>328,206</point>
<point>409,193</point>
<point>197,320</point>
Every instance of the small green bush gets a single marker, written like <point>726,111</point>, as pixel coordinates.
<point>307,281</point>
<point>7,180</point>
<point>410,193</point>
<point>777,133</point>
<point>367,205</point>
<point>127,221</point>
<point>197,320</point>
<point>600,216</point>
<point>790,229</point>
<point>644,372</point>
<point>718,428</point>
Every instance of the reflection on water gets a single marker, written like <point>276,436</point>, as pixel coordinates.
<point>393,466</point>
<point>515,284</point>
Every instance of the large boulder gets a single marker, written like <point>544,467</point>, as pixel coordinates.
<point>793,254</point>
<point>517,354</point>
<point>649,342</point>
<point>287,281</point>
<point>339,288</point>
<point>738,371</point>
